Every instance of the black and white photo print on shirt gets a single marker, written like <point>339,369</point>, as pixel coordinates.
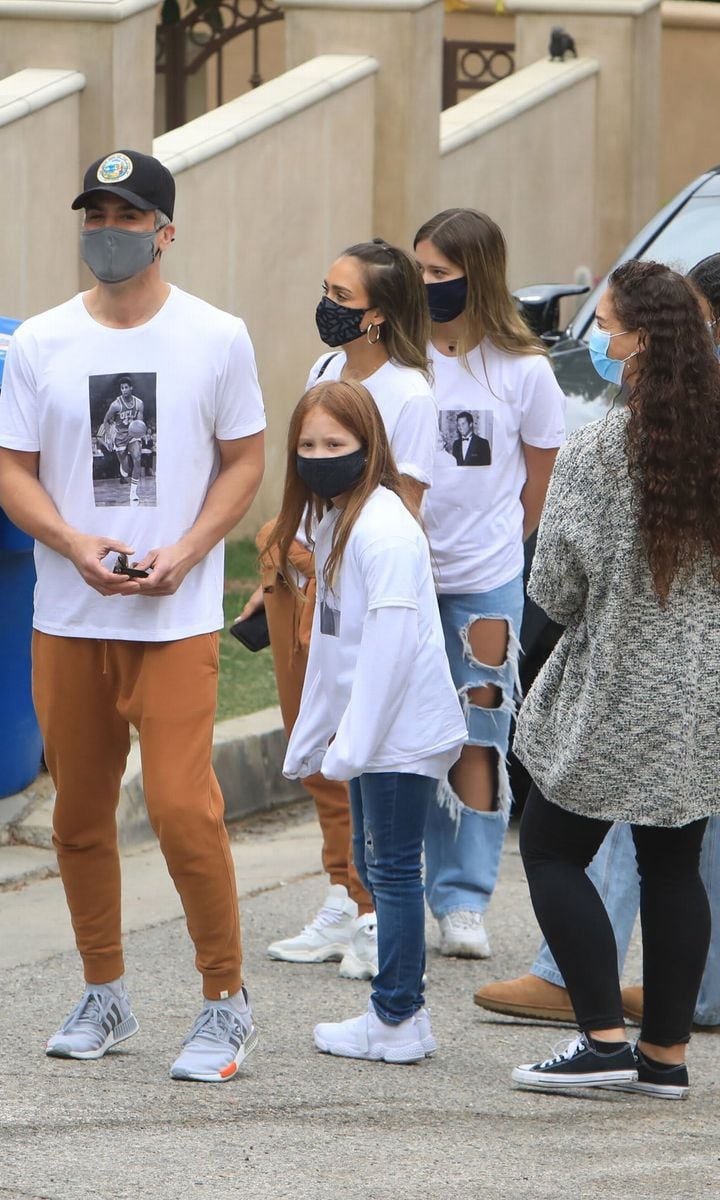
<point>123,423</point>
<point>467,436</point>
<point>329,616</point>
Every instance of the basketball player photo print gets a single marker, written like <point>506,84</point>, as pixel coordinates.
<point>123,424</point>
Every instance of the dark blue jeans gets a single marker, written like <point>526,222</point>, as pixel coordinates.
<point>389,811</point>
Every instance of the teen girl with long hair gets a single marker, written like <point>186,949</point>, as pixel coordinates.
<point>621,724</point>
<point>501,422</point>
<point>541,994</point>
<point>373,319</point>
<point>378,706</point>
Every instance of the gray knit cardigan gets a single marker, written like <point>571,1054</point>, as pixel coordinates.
<point>623,721</point>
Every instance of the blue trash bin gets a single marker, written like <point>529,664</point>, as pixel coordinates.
<point>20,741</point>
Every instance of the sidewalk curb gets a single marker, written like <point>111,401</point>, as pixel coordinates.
<point>248,754</point>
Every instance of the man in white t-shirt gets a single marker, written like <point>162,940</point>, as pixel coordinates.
<point>140,647</point>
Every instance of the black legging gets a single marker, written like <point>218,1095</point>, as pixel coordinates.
<point>556,847</point>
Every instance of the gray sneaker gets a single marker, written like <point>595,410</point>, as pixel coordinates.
<point>100,1021</point>
<point>219,1041</point>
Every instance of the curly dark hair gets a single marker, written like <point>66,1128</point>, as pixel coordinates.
<point>673,428</point>
<point>705,275</point>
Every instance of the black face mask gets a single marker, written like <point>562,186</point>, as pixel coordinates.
<point>328,477</point>
<point>447,300</point>
<point>337,324</point>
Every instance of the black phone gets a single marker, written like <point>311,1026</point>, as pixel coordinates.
<point>121,568</point>
<point>253,631</point>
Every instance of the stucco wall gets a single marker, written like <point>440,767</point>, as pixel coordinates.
<point>689,124</point>
<point>266,198</point>
<point>38,232</point>
<point>624,36</point>
<point>520,152</point>
<point>478,20</point>
<point>115,55</point>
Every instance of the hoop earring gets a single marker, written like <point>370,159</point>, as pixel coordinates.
<point>373,341</point>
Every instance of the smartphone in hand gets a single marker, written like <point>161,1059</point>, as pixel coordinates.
<point>122,568</point>
<point>253,631</point>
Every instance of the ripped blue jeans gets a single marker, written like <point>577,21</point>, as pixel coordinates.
<point>463,846</point>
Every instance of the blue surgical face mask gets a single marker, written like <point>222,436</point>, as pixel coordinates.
<point>607,368</point>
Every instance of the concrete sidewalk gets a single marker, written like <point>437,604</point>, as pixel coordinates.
<point>298,1124</point>
<point>247,756</point>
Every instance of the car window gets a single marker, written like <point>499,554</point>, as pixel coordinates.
<point>691,235</point>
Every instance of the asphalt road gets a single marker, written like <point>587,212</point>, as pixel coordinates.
<point>295,1123</point>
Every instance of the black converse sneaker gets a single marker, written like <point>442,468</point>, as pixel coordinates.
<point>657,1079</point>
<point>577,1064</point>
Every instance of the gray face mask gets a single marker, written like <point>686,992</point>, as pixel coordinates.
<point>114,255</point>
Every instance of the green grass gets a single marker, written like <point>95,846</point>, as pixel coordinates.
<point>247,680</point>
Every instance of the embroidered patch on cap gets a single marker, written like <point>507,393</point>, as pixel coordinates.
<point>115,168</point>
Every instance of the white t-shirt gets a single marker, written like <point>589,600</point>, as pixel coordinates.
<point>81,393</point>
<point>407,407</point>
<point>378,676</point>
<point>472,513</point>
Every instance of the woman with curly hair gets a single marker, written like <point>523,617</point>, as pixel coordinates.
<point>621,724</point>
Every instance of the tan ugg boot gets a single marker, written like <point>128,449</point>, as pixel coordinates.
<point>528,996</point>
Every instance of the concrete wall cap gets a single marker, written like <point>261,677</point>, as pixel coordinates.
<point>483,6</point>
<point>265,106</point>
<point>583,8</point>
<point>74,10</point>
<point>28,91</point>
<point>700,14</point>
<point>509,98</point>
<point>363,5</point>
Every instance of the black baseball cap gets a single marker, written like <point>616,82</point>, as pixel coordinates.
<point>138,178</point>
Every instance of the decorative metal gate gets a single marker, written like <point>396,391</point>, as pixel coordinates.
<point>472,66</point>
<point>185,43</point>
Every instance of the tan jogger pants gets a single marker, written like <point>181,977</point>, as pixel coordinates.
<point>87,695</point>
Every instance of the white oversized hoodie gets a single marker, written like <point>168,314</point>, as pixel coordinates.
<point>378,695</point>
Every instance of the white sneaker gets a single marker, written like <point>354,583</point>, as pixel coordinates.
<point>100,1021</point>
<point>360,960</point>
<point>462,935</point>
<point>369,1037</point>
<point>422,1016</point>
<point>219,1041</point>
<point>327,937</point>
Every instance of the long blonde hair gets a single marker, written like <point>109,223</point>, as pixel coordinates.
<point>352,406</point>
<point>476,245</point>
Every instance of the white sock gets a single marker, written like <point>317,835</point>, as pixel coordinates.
<point>116,986</point>
<point>239,1002</point>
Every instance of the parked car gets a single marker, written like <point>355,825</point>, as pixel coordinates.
<point>685,231</point>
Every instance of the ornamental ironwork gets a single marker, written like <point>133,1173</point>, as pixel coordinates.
<point>472,66</point>
<point>185,43</point>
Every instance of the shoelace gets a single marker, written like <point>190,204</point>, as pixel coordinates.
<point>466,920</point>
<point>217,1025</point>
<point>91,1011</point>
<point>564,1050</point>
